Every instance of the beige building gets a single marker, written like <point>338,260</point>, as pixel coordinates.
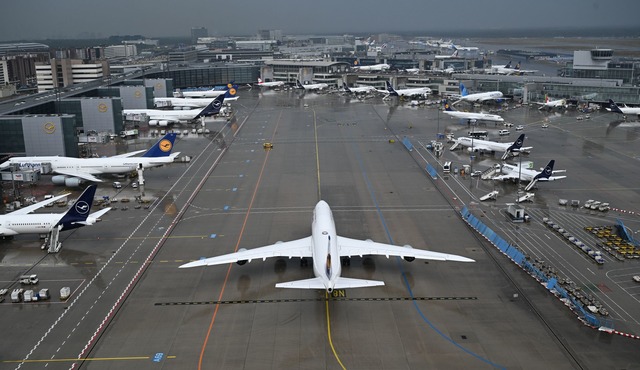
<point>65,72</point>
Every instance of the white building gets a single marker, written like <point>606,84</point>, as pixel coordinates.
<point>65,72</point>
<point>117,51</point>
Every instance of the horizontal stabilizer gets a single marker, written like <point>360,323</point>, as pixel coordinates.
<point>345,283</point>
<point>313,283</point>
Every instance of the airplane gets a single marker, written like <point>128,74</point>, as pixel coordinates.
<point>448,70</point>
<point>508,70</point>
<point>471,117</point>
<point>613,107</point>
<point>477,145</point>
<point>158,117</point>
<point>414,71</point>
<point>318,86</point>
<point>478,97</point>
<point>72,171</point>
<point>550,104</point>
<point>191,102</point>
<point>270,84</point>
<point>376,67</point>
<point>326,248</point>
<point>22,221</point>
<point>511,172</point>
<point>358,90</point>
<point>211,93</point>
<point>407,92</point>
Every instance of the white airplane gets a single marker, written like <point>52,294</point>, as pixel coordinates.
<point>550,104</point>
<point>471,117</point>
<point>613,107</point>
<point>418,91</point>
<point>508,70</point>
<point>189,102</point>
<point>23,222</point>
<point>448,70</point>
<point>158,117</point>
<point>358,90</point>
<point>72,171</point>
<point>326,248</point>
<point>414,71</point>
<point>477,145</point>
<point>511,172</point>
<point>211,93</point>
<point>318,86</point>
<point>270,84</point>
<point>478,97</point>
<point>376,67</point>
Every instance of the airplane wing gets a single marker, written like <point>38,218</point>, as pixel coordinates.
<point>552,178</point>
<point>506,177</point>
<point>127,155</point>
<point>82,175</point>
<point>294,248</point>
<point>353,247</point>
<point>33,207</point>
<point>482,148</point>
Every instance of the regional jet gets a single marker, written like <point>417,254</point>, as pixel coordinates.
<point>471,117</point>
<point>478,97</point>
<point>72,171</point>
<point>23,222</point>
<point>163,118</point>
<point>508,70</point>
<point>269,84</point>
<point>318,86</point>
<point>477,145</point>
<point>326,248</point>
<point>358,90</point>
<point>417,91</point>
<point>613,107</point>
<point>512,172</point>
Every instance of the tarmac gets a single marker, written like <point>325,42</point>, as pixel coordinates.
<point>132,307</point>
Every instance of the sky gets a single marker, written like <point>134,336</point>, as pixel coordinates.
<point>42,19</point>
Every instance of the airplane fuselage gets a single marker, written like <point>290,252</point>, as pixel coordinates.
<point>324,244</point>
<point>169,115</point>
<point>94,166</point>
<point>203,93</point>
<point>475,116</point>
<point>41,223</point>
<point>491,95</point>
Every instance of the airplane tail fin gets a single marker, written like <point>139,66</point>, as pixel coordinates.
<point>345,87</point>
<point>231,92</point>
<point>213,107</point>
<point>508,65</point>
<point>79,212</point>
<point>259,81</point>
<point>447,107</point>
<point>463,90</point>
<point>542,176</point>
<point>614,107</point>
<point>515,147</point>
<point>390,89</point>
<point>163,147</point>
<point>299,84</point>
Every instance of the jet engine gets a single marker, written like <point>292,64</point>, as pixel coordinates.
<point>71,182</point>
<point>163,123</point>
<point>409,259</point>
<point>153,122</point>
<point>241,262</point>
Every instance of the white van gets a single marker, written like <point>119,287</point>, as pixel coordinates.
<point>446,167</point>
<point>503,132</point>
<point>117,184</point>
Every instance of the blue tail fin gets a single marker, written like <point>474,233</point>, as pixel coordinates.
<point>446,105</point>
<point>463,90</point>
<point>299,84</point>
<point>614,107</point>
<point>390,89</point>
<point>546,172</point>
<point>213,108</point>
<point>517,144</point>
<point>345,87</point>
<point>231,91</point>
<point>163,147</point>
<point>80,209</point>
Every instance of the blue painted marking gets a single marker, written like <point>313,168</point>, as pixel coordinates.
<point>213,236</point>
<point>234,189</point>
<point>158,357</point>
<point>226,208</point>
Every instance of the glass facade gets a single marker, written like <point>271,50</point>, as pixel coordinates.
<point>215,76</point>
<point>11,140</point>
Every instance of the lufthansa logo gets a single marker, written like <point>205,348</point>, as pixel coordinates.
<point>216,104</point>
<point>49,127</point>
<point>137,94</point>
<point>82,207</point>
<point>102,107</point>
<point>232,91</point>
<point>159,85</point>
<point>165,145</point>
<point>229,86</point>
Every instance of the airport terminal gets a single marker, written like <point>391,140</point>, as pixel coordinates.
<point>433,210</point>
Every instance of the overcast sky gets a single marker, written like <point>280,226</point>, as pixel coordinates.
<point>41,19</point>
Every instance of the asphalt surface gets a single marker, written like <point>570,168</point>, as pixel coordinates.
<point>132,307</point>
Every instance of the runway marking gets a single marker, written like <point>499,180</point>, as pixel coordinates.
<point>301,300</point>
<point>335,354</point>
<point>134,358</point>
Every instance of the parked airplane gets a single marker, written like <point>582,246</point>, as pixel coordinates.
<point>471,117</point>
<point>511,172</point>
<point>22,221</point>
<point>550,104</point>
<point>477,145</point>
<point>418,91</point>
<point>478,97</point>
<point>211,93</point>
<point>73,170</point>
<point>326,248</point>
<point>376,67</point>
<point>191,102</point>
<point>270,84</point>
<point>165,117</point>
<point>358,90</point>
<point>448,70</point>
<point>613,107</point>
<point>318,86</point>
<point>413,71</point>
<point>508,70</point>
